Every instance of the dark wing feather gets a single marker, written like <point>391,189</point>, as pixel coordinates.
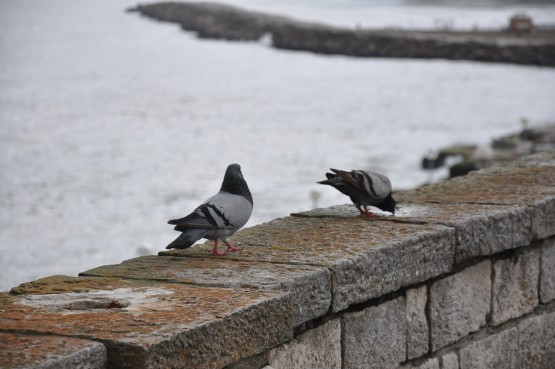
<point>348,178</point>
<point>197,219</point>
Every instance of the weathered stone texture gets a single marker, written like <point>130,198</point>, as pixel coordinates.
<point>388,268</point>
<point>450,361</point>
<point>146,324</point>
<point>481,229</point>
<point>253,362</point>
<point>317,348</point>
<point>515,286</point>
<point>537,342</point>
<point>310,287</point>
<point>515,186</point>
<point>506,228</point>
<point>543,221</point>
<point>432,363</point>
<point>547,271</point>
<point>367,257</point>
<point>417,324</point>
<point>459,304</point>
<point>375,337</point>
<point>499,351</point>
<point>50,352</point>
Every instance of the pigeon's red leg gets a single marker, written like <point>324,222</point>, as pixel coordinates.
<point>215,250</point>
<point>362,210</point>
<point>369,214</point>
<point>230,247</point>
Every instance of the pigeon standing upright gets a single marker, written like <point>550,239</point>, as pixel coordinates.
<point>218,217</point>
<point>365,188</point>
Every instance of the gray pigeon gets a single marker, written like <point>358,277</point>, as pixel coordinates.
<point>218,217</point>
<point>365,188</point>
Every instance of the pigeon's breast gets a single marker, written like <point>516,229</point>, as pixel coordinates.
<point>231,212</point>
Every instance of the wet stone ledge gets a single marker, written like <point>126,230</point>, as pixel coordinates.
<point>219,21</point>
<point>147,324</point>
<point>37,351</point>
<point>434,285</point>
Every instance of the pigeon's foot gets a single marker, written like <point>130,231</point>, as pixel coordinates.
<point>230,247</point>
<point>369,215</point>
<point>215,250</point>
<point>365,213</point>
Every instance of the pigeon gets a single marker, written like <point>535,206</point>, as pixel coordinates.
<point>365,188</point>
<point>218,217</point>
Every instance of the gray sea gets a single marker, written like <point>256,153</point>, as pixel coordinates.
<point>111,124</point>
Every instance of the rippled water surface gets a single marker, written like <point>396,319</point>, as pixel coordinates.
<point>111,123</point>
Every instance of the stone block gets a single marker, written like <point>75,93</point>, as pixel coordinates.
<point>254,362</point>
<point>491,232</point>
<point>503,186</point>
<point>498,351</point>
<point>146,324</point>
<point>481,229</point>
<point>310,286</point>
<point>459,304</point>
<point>450,360</point>
<point>375,337</point>
<point>515,286</point>
<point>432,363</point>
<point>543,218</point>
<point>367,257</point>
<point>314,349</point>
<point>537,342</point>
<point>50,352</point>
<point>547,271</point>
<point>385,269</point>
<point>417,324</point>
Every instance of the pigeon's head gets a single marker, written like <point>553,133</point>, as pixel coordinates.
<point>235,183</point>
<point>388,204</point>
<point>233,170</point>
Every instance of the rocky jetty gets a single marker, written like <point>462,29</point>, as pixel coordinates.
<point>212,20</point>
<point>502,150</point>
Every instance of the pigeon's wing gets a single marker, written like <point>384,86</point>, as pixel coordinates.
<point>348,178</point>
<point>197,219</point>
<point>379,184</point>
<point>221,211</point>
<point>374,184</point>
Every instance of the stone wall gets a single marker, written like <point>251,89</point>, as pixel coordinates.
<point>463,276</point>
<point>212,20</point>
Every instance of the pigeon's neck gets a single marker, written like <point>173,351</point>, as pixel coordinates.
<point>237,186</point>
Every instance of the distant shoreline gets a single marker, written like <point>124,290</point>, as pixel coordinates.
<point>219,21</point>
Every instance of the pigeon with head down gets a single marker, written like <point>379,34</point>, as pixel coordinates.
<point>218,217</point>
<point>365,188</point>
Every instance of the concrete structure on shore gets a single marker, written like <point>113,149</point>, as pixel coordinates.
<point>462,277</point>
<point>212,20</point>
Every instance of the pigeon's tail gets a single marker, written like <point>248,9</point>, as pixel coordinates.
<point>329,181</point>
<point>187,238</point>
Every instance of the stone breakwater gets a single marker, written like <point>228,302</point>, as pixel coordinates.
<point>462,277</point>
<point>211,20</point>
